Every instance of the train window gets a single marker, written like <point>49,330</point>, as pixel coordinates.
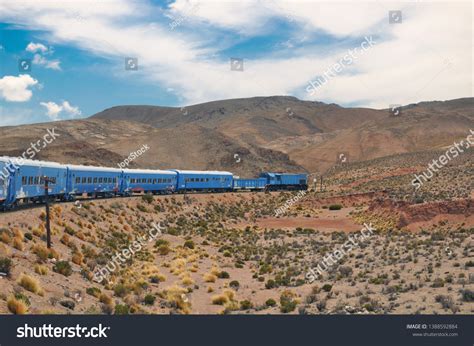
<point>154,181</point>
<point>30,180</point>
<point>84,180</point>
<point>115,180</point>
<point>78,180</point>
<point>95,180</point>
<point>149,181</point>
<point>89,180</point>
<point>100,180</point>
<point>52,180</point>
<point>160,180</point>
<point>36,181</point>
<point>23,180</point>
<point>207,179</point>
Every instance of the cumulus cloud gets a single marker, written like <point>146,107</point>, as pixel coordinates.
<point>54,110</point>
<point>16,88</point>
<point>40,50</point>
<point>35,47</point>
<point>51,64</point>
<point>408,64</point>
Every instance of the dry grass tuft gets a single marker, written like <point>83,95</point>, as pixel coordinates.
<point>17,306</point>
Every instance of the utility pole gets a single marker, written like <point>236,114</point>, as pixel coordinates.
<point>46,198</point>
<point>321,184</point>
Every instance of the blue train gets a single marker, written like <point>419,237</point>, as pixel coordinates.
<point>24,180</point>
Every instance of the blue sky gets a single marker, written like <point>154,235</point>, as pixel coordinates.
<point>78,51</point>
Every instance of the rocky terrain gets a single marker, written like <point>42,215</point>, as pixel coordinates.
<point>232,254</point>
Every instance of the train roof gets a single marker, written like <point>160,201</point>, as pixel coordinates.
<point>94,168</point>
<point>149,171</point>
<point>201,172</point>
<point>26,162</point>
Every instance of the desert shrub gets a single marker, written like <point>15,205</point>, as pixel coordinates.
<point>6,266</point>
<point>270,284</point>
<point>223,275</point>
<point>287,302</point>
<point>189,244</point>
<point>29,236</point>
<point>469,264</point>
<point>154,279</point>
<point>234,284</point>
<point>148,198</point>
<point>149,299</point>
<point>24,298</point>
<point>30,284</point>
<point>160,242</point>
<point>327,287</point>
<point>335,207</point>
<point>93,291</point>
<point>220,299</point>
<point>209,277</point>
<point>467,295</point>
<point>142,208</point>
<point>68,304</point>
<point>176,297</point>
<point>5,236</point>
<point>438,282</point>
<point>270,302</point>
<point>120,290</point>
<point>77,258</point>
<point>63,268</point>
<point>122,309</point>
<point>345,271</point>
<point>17,306</point>
<point>41,270</point>
<point>163,250</point>
<point>41,252</point>
<point>246,305</point>
<point>69,230</point>
<point>18,243</point>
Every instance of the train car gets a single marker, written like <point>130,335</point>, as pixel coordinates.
<point>249,184</point>
<point>216,181</point>
<point>93,181</point>
<point>144,180</point>
<point>25,180</point>
<point>285,181</point>
<point>5,190</point>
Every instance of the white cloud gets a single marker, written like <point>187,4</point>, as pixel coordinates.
<point>51,64</point>
<point>54,110</point>
<point>16,88</point>
<point>406,65</point>
<point>39,59</point>
<point>34,47</point>
<point>70,109</point>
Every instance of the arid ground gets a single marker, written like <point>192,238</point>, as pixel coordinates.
<point>230,253</point>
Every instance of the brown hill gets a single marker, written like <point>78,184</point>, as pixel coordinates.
<point>246,136</point>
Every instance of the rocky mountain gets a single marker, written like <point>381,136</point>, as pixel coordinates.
<point>249,135</point>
